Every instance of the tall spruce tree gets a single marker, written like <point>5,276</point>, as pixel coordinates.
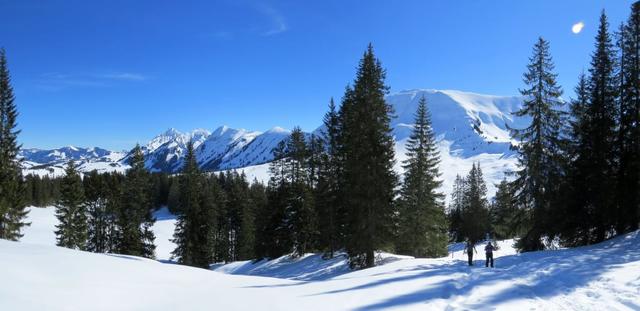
<point>300,208</point>
<point>135,214</point>
<point>456,206</point>
<point>12,206</point>
<point>367,148</point>
<point>628,170</point>
<point>541,152</point>
<point>422,230</point>
<point>475,207</point>
<point>276,225</point>
<point>195,228</point>
<point>328,204</point>
<point>503,212</point>
<point>101,222</point>
<point>258,195</point>
<point>71,230</point>
<point>596,156</point>
<point>239,200</point>
<point>575,225</point>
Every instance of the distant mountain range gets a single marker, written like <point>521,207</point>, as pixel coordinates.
<point>470,127</point>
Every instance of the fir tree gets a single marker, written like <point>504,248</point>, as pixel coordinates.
<point>242,217</point>
<point>503,212</point>
<point>100,218</point>
<point>300,208</point>
<point>258,196</point>
<point>135,213</point>
<point>475,212</point>
<point>541,149</point>
<point>327,196</point>
<point>422,221</point>
<point>575,223</point>
<point>195,228</point>
<point>367,151</point>
<point>173,198</point>
<point>456,205</point>
<point>628,170</point>
<point>595,153</point>
<point>71,230</point>
<point>12,206</point>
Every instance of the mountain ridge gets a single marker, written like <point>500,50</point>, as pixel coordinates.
<point>469,127</point>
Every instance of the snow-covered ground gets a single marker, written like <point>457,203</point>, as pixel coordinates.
<point>36,276</point>
<point>43,222</point>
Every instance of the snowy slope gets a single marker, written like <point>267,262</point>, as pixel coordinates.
<point>223,145</point>
<point>605,276</point>
<point>473,123</point>
<point>43,225</point>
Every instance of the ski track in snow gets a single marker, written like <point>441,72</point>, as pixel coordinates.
<point>605,276</point>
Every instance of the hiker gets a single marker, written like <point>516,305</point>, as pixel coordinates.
<point>488,250</point>
<point>470,248</point>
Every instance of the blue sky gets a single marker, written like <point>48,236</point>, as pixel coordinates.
<point>113,73</point>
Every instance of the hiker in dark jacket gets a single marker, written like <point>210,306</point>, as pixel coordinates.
<point>488,250</point>
<point>469,248</point>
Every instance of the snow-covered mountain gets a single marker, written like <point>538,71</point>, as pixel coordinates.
<point>470,128</point>
<point>224,148</point>
<point>472,123</point>
<point>165,152</point>
<point>52,162</point>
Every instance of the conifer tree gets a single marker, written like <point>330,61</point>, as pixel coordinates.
<point>100,218</point>
<point>327,197</point>
<point>135,213</point>
<point>628,170</point>
<point>367,148</point>
<point>503,212</point>
<point>475,211</point>
<point>576,225</point>
<point>195,228</point>
<point>275,229</point>
<point>595,154</point>
<point>422,220</point>
<point>12,206</point>
<point>242,220</point>
<point>541,152</point>
<point>300,209</point>
<point>71,230</point>
<point>456,206</point>
<point>173,198</point>
<point>258,197</point>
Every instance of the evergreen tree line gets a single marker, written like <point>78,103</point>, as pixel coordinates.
<point>217,215</point>
<point>337,191</point>
<point>580,161</point>
<point>108,212</point>
<point>332,192</point>
<point>113,212</point>
<point>41,191</point>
